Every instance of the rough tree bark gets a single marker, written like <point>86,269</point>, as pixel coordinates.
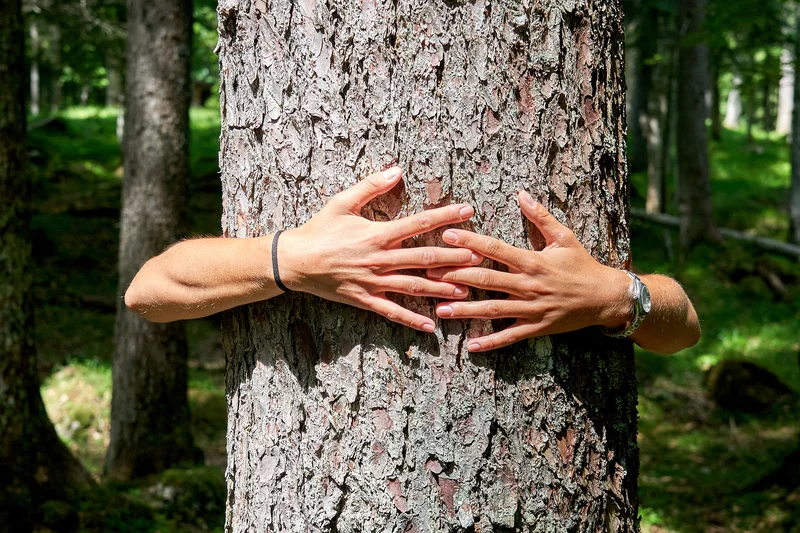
<point>794,192</point>
<point>150,427</point>
<point>785,92</point>
<point>35,466</point>
<point>337,419</point>
<point>697,222</point>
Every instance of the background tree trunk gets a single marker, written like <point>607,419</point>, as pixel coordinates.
<point>115,86</point>
<point>337,419</point>
<point>645,31</point>
<point>785,92</point>
<point>733,106</point>
<point>767,119</point>
<point>35,81</point>
<point>697,222</point>
<point>150,427</point>
<point>716,117</point>
<point>56,67</point>
<point>794,192</point>
<point>35,466</point>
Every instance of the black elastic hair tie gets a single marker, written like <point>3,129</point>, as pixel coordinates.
<point>275,274</point>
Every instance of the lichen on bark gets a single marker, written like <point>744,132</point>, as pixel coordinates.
<point>341,421</point>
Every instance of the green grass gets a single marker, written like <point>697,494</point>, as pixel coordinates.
<point>697,461</point>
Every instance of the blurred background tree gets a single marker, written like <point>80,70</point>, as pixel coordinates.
<point>718,438</point>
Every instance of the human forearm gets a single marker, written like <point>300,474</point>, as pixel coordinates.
<point>200,277</point>
<point>672,323</point>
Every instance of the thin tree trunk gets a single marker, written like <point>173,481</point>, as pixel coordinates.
<point>56,65</point>
<point>785,93</point>
<point>35,105</point>
<point>84,95</point>
<point>114,74</point>
<point>337,419</point>
<point>35,466</point>
<point>767,119</point>
<point>149,411</point>
<point>750,111</point>
<point>640,93</point>
<point>716,117</point>
<point>733,107</point>
<point>794,192</point>
<point>695,185</point>
<point>658,119</point>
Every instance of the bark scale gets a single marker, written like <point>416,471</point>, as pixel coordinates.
<point>35,466</point>
<point>150,428</point>
<point>341,421</point>
<point>697,222</point>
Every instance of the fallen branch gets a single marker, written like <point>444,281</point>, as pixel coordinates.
<point>770,245</point>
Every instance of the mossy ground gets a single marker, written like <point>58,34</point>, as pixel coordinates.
<point>697,461</point>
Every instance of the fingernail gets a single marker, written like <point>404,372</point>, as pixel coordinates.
<point>466,211</point>
<point>450,236</point>
<point>460,291</point>
<point>444,310</point>
<point>473,346</point>
<point>476,259</point>
<point>428,327</point>
<point>528,199</point>
<point>391,174</point>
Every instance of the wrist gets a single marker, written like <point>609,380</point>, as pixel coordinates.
<point>616,310</point>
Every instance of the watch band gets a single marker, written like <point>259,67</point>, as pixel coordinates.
<point>638,290</point>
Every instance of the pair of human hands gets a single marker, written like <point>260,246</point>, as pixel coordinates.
<point>341,256</point>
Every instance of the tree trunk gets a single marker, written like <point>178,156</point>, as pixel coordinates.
<point>149,411</point>
<point>35,466</point>
<point>35,80</point>
<point>657,125</point>
<point>794,192</point>
<point>750,111</point>
<point>56,65</point>
<point>640,93</point>
<point>341,421</point>
<point>767,119</point>
<point>114,87</point>
<point>716,118</point>
<point>695,186</point>
<point>785,93</point>
<point>733,107</point>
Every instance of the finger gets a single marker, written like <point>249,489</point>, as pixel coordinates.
<point>486,246</point>
<point>418,286</point>
<point>357,196</point>
<point>399,314</point>
<point>480,278</point>
<point>426,221</point>
<point>551,229</point>
<point>425,257</point>
<point>510,335</point>
<point>487,309</point>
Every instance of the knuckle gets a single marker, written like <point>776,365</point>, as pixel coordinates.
<point>484,278</point>
<point>392,315</point>
<point>423,221</point>
<point>493,247</point>
<point>428,257</point>
<point>373,180</point>
<point>414,287</point>
<point>492,309</point>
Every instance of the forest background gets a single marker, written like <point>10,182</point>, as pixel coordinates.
<point>718,437</point>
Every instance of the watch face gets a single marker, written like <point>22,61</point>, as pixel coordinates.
<point>645,298</point>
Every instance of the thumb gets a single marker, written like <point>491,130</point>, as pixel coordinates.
<point>357,196</point>
<point>553,231</point>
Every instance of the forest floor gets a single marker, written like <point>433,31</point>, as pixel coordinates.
<point>698,461</point>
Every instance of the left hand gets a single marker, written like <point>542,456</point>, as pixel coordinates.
<point>561,288</point>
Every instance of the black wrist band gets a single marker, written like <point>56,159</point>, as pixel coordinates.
<point>275,274</point>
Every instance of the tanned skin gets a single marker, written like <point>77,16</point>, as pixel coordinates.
<point>341,256</point>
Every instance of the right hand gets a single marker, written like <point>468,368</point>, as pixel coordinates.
<point>341,256</point>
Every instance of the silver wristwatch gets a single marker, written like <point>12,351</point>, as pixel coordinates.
<point>640,296</point>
